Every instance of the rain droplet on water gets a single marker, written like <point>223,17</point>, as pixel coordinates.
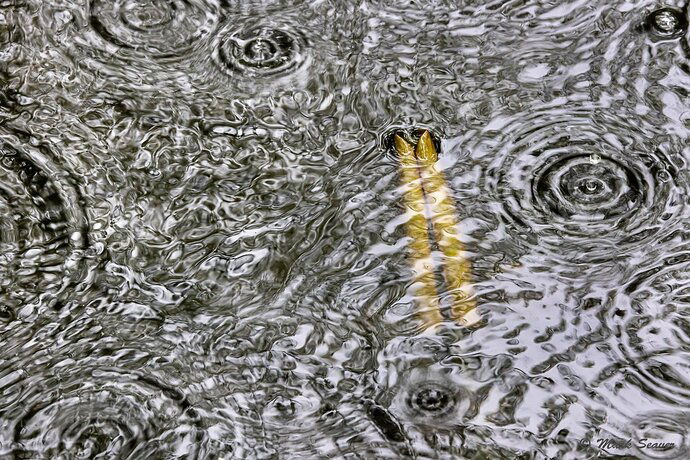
<point>666,23</point>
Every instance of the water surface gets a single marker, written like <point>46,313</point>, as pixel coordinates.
<point>202,232</point>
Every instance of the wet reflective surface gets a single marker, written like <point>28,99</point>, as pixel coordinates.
<point>202,233</point>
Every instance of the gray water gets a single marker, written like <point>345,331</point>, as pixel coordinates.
<point>202,241</point>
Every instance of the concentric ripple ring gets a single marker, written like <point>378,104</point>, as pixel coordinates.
<point>161,29</point>
<point>577,187</point>
<point>42,229</point>
<point>261,52</point>
<point>101,413</point>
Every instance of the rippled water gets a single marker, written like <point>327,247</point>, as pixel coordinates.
<point>202,233</point>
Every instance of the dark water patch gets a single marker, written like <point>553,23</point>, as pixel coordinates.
<point>386,423</point>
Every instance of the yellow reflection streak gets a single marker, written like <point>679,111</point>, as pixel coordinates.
<point>420,247</point>
<point>457,270</point>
